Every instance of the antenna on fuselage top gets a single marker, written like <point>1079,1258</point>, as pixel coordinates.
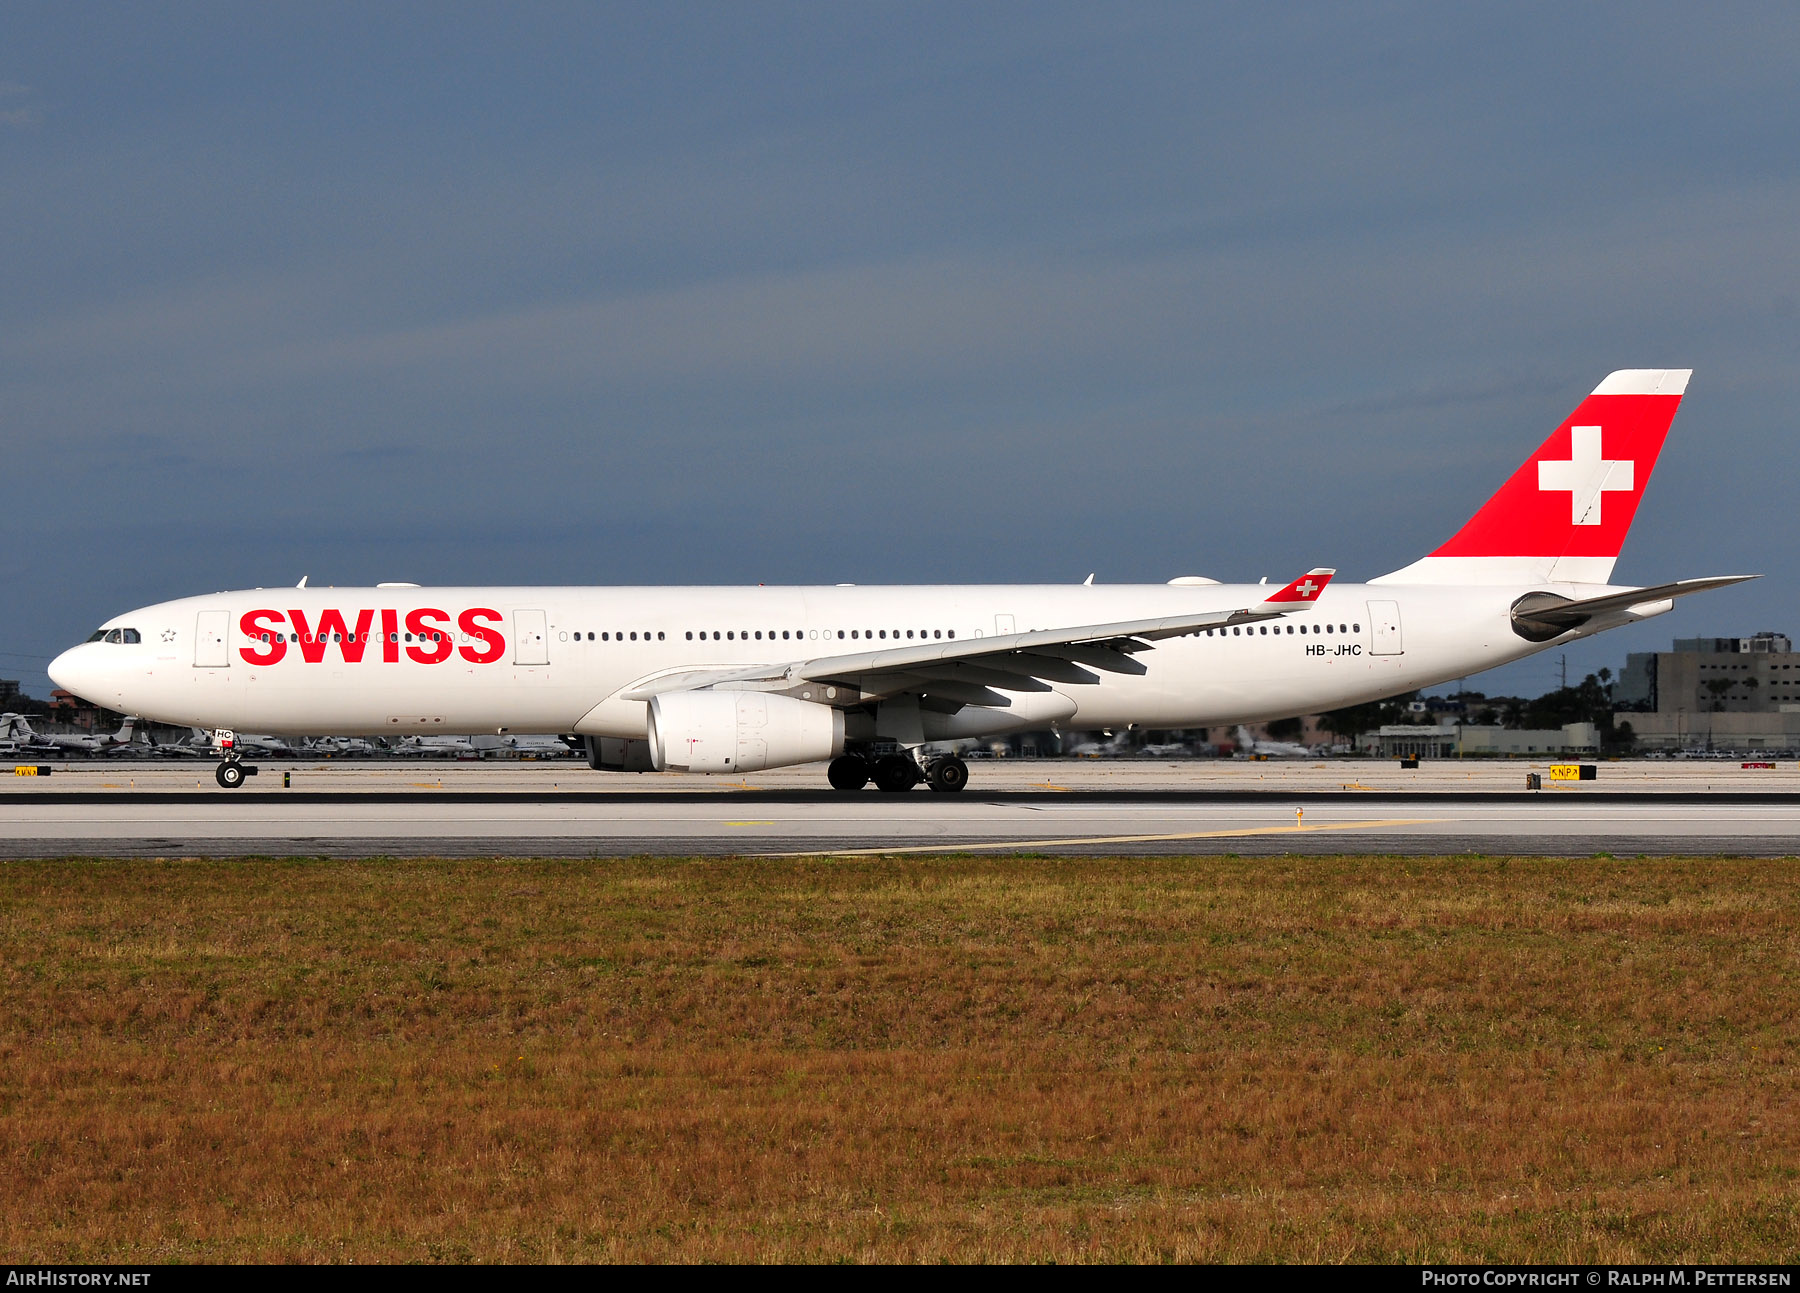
<point>302,583</point>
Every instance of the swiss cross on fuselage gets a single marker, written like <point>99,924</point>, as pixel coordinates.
<point>1586,476</point>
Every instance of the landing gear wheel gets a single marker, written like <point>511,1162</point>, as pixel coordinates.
<point>230,774</point>
<point>896,773</point>
<point>848,772</point>
<point>947,775</point>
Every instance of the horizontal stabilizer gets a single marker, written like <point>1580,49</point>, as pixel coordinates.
<point>1538,617</point>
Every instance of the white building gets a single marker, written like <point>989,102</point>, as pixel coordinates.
<point>1447,740</point>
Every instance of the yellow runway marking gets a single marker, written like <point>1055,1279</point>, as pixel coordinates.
<point>1112,839</point>
<point>749,823</point>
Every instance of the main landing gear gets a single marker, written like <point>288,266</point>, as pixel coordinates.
<point>848,772</point>
<point>896,773</point>
<point>232,769</point>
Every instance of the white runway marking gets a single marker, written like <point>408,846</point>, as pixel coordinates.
<point>1095,841</point>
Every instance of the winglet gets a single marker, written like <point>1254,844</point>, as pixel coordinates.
<point>1304,589</point>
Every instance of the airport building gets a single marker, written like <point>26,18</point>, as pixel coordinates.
<point>1713,694</point>
<point>1449,740</point>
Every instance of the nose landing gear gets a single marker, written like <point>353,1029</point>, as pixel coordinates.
<point>232,769</point>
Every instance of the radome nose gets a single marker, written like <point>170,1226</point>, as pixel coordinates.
<point>73,671</point>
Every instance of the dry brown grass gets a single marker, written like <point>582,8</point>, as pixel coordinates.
<point>991,1059</point>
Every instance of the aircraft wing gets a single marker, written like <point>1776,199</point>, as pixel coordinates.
<point>976,671</point>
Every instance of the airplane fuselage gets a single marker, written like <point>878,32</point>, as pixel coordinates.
<point>377,661</point>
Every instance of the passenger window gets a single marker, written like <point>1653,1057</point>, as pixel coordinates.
<point>952,632</point>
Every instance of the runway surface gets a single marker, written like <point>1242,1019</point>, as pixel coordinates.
<point>1191,807</point>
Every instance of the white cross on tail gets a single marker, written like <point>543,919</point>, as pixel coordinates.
<point>1585,475</point>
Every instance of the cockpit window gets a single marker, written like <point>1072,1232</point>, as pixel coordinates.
<point>116,635</point>
<point>131,635</point>
<point>98,635</point>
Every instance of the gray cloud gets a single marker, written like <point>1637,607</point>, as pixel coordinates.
<point>629,296</point>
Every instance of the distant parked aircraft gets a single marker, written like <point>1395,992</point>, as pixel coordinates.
<point>16,731</point>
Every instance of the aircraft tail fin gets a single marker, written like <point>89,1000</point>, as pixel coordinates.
<point>1564,515</point>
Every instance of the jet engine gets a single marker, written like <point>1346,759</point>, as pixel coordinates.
<point>740,731</point>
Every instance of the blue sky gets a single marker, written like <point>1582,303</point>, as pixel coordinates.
<point>875,293</point>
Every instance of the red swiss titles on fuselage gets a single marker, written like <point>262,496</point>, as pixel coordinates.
<point>427,637</point>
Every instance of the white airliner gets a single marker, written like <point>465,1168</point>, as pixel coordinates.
<point>736,680</point>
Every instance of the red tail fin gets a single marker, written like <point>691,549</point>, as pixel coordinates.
<point>1564,515</point>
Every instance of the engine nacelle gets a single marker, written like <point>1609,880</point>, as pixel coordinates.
<point>740,731</point>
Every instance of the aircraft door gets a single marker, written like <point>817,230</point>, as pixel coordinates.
<point>1384,619</point>
<point>210,630</point>
<point>531,638</point>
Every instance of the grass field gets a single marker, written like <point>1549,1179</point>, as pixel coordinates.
<point>987,1059</point>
